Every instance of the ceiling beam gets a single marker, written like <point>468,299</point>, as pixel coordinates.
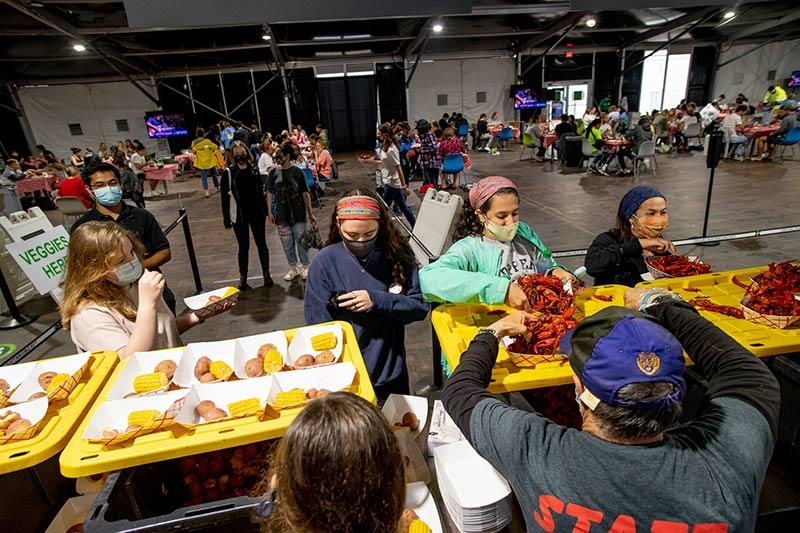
<point>567,21</point>
<point>688,18</point>
<point>422,33</point>
<point>769,27</point>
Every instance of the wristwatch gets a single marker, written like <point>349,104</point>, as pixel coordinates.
<point>655,297</point>
<point>490,331</point>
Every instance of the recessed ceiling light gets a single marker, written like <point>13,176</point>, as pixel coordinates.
<point>79,47</point>
<point>591,22</point>
<point>266,37</point>
<point>438,27</point>
<point>729,15</point>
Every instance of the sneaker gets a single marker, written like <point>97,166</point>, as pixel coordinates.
<point>304,272</point>
<point>739,158</point>
<point>243,286</point>
<point>291,275</point>
<point>756,158</point>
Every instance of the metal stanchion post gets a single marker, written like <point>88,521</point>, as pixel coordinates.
<point>187,233</point>
<point>17,319</point>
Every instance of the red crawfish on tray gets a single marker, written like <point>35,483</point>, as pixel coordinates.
<point>545,332</point>
<point>546,294</point>
<point>707,305</point>
<point>678,266</point>
<point>772,292</point>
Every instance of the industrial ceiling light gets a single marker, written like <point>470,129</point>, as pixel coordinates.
<point>266,37</point>
<point>78,47</point>
<point>729,15</point>
<point>591,22</point>
<point>437,27</point>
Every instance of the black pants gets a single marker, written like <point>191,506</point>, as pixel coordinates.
<point>241,230</point>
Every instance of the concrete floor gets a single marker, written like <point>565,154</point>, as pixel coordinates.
<point>566,208</point>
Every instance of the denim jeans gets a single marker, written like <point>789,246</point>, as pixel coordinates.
<point>398,196</point>
<point>738,142</point>
<point>204,177</point>
<point>290,238</point>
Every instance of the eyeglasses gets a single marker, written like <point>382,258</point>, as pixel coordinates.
<point>110,183</point>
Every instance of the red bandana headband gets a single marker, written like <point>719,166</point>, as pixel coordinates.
<point>358,208</point>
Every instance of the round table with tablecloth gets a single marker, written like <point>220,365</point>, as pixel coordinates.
<point>35,182</point>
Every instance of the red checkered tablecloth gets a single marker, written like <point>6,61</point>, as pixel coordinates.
<point>182,159</point>
<point>760,131</point>
<point>43,182</point>
<point>167,172</point>
<point>549,139</point>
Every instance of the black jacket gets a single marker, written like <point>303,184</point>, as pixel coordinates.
<point>609,260</point>
<point>247,188</point>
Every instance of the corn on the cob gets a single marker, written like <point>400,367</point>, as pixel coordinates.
<point>418,526</point>
<point>324,341</point>
<point>290,398</point>
<point>246,407</point>
<point>229,292</point>
<point>221,370</point>
<point>273,361</point>
<point>142,418</point>
<point>149,382</point>
<point>56,382</point>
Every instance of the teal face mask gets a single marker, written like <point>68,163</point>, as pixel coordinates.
<point>108,196</point>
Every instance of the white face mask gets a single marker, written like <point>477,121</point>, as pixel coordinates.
<point>128,273</point>
<point>502,233</point>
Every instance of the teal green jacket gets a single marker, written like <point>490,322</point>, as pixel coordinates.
<point>469,272</point>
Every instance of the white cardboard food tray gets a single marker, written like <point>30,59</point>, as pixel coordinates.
<point>472,481</point>
<point>60,365</point>
<point>417,469</point>
<point>74,511</point>
<point>331,377</point>
<point>142,363</point>
<point>397,405</point>
<point>222,394</point>
<point>34,411</point>
<point>301,343</point>
<point>14,375</point>
<point>216,351</point>
<point>113,414</point>
<point>247,348</point>
<point>419,498</point>
<point>199,301</point>
<point>443,429</point>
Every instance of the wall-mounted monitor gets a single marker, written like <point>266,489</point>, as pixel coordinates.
<point>794,79</point>
<point>526,98</point>
<point>160,124</point>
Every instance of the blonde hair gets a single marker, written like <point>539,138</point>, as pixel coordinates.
<point>91,247</point>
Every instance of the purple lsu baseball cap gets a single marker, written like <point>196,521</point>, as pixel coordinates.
<point>616,347</point>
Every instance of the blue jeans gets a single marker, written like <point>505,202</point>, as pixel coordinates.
<point>738,142</point>
<point>204,177</point>
<point>290,238</point>
<point>398,196</point>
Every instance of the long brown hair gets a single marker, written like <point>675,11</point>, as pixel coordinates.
<point>338,468</point>
<point>469,223</point>
<point>395,246</point>
<point>91,246</point>
<point>238,144</point>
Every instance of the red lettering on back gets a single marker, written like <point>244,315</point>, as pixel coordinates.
<point>584,517</point>
<point>662,526</point>
<point>546,503</point>
<point>710,528</point>
<point>623,524</point>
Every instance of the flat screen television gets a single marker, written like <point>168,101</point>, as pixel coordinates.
<point>794,79</point>
<point>526,98</point>
<point>160,124</point>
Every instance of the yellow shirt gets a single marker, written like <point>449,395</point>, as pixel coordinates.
<point>206,152</point>
<point>778,95</point>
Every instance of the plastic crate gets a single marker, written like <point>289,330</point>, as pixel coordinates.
<point>61,419</point>
<point>149,498</point>
<point>457,325</point>
<point>761,340</point>
<point>82,458</point>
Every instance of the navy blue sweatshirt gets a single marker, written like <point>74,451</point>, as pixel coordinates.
<point>381,330</point>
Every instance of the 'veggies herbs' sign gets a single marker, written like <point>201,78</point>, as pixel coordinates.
<point>43,258</point>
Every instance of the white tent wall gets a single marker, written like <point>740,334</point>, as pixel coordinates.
<point>748,75</point>
<point>461,80</point>
<point>96,107</point>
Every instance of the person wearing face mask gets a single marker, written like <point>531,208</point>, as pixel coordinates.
<point>288,206</point>
<point>367,275</point>
<point>617,256</point>
<point>111,301</point>
<point>104,186</point>
<point>248,212</point>
<point>491,248</point>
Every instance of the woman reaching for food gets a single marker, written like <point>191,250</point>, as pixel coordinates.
<point>491,248</point>
<point>617,256</point>
<point>110,302</point>
<point>367,275</point>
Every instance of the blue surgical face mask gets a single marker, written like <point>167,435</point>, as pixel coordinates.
<point>128,273</point>
<point>108,196</point>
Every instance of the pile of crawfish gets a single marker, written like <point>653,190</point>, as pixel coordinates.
<point>678,266</point>
<point>546,295</point>
<point>772,292</point>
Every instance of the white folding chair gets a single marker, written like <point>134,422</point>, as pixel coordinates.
<point>70,207</point>
<point>647,150</point>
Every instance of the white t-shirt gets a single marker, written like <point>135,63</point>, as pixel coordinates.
<point>614,115</point>
<point>264,163</point>
<point>605,128</point>
<point>730,122</point>
<point>390,159</point>
<point>517,260</point>
<point>686,120</point>
<point>137,161</point>
<point>98,327</point>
